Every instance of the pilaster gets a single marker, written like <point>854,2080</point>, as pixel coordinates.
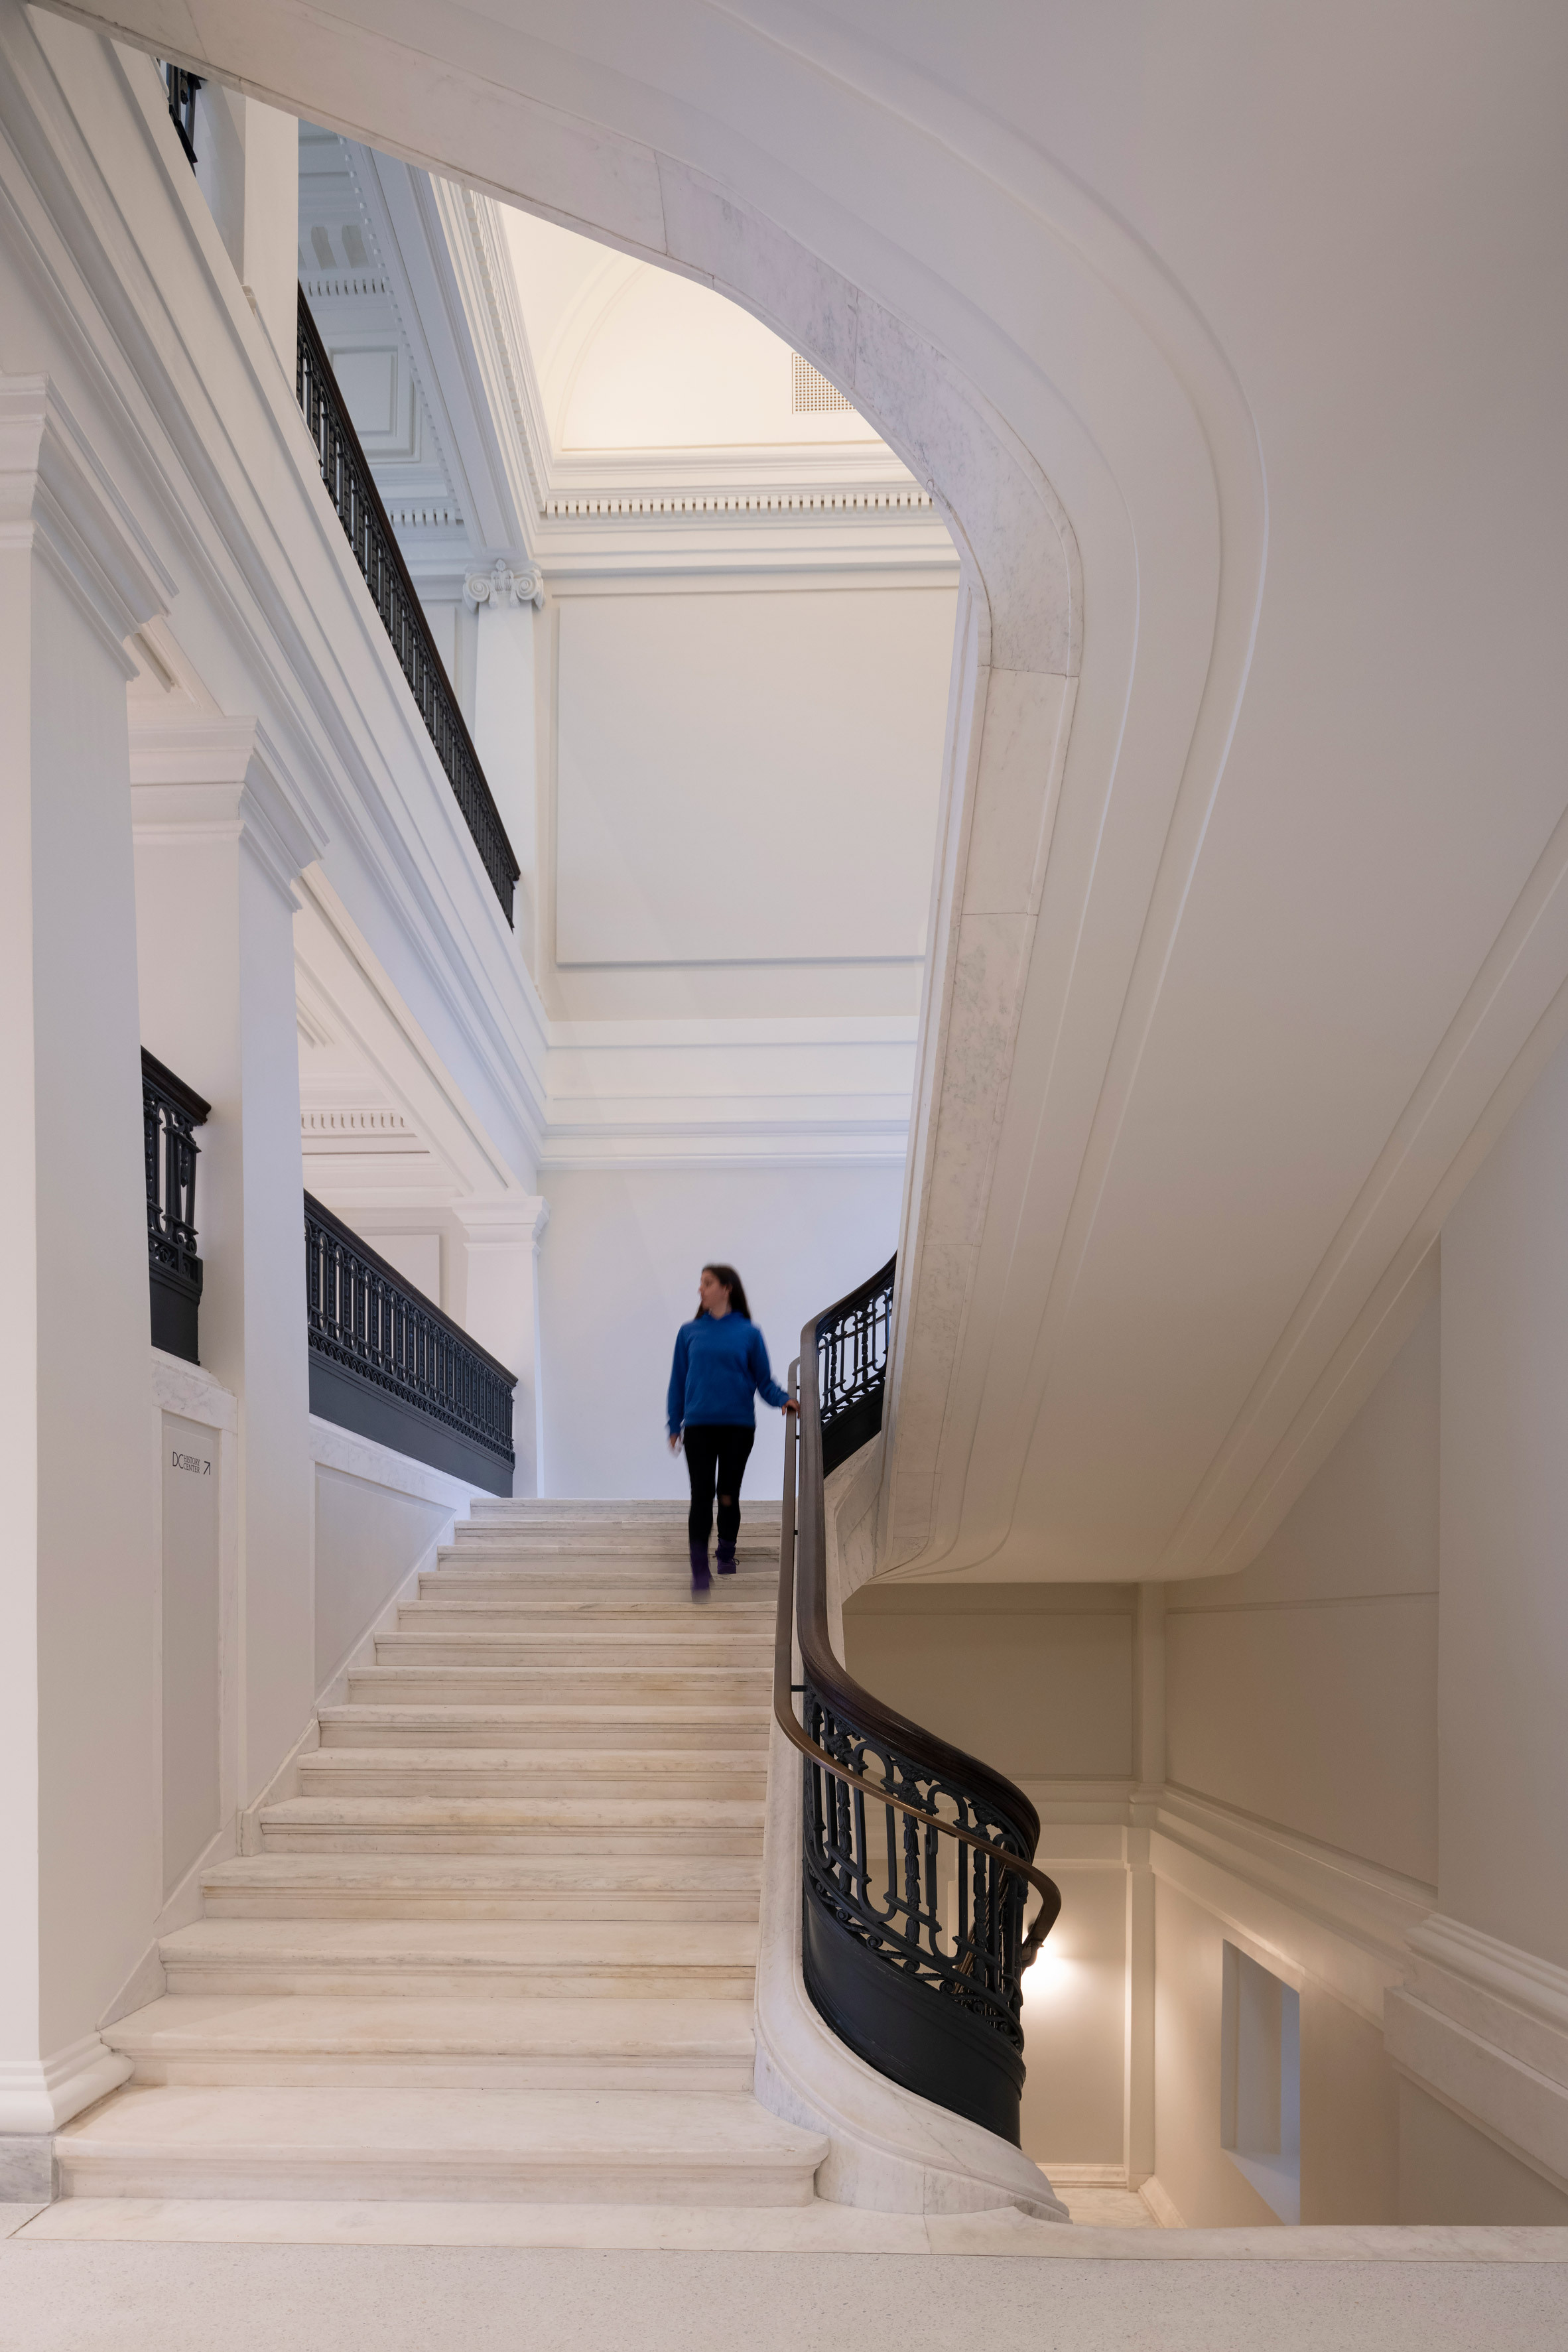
<point>221,834</point>
<point>79,1735</point>
<point>496,1299</point>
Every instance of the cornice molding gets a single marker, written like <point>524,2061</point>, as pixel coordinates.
<point>220,776</point>
<point>57,498</point>
<point>509,1220</point>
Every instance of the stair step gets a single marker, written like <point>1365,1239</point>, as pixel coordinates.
<point>557,1684</point>
<point>302,2038</point>
<point>560,1730</point>
<point>555,2146</point>
<point>494,1603</point>
<point>725,1774</point>
<point>683,1826</point>
<point>468,1958</point>
<point>564,1885</point>
<point>708,1644</point>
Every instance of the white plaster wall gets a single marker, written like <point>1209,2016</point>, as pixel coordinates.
<point>369,1538</point>
<point>1450,2172</point>
<point>618,1272</point>
<point>1193,2169</point>
<point>1502,1754</point>
<point>1075,2006</point>
<point>1038,1679</point>
<point>247,167</point>
<point>748,777</point>
<point>1304,1690</point>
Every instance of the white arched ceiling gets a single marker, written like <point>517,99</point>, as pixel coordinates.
<point>1208,1047</point>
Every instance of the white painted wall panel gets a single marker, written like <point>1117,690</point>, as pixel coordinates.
<point>1038,1679</point>
<point>749,777</point>
<point>618,1273</point>
<point>1304,1689</point>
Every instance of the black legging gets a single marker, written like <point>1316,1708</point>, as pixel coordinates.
<point>716,1458</point>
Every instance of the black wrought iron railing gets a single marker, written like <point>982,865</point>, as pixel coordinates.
<point>347,475</point>
<point>917,1860</point>
<point>182,87</point>
<point>385,1362</point>
<point>171,1111</point>
<point>851,1367</point>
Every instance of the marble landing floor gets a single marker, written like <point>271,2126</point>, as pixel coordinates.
<point>1418,2291</point>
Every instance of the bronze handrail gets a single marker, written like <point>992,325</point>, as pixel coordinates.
<point>831,1679</point>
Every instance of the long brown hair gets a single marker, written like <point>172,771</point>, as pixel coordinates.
<point>736,1289</point>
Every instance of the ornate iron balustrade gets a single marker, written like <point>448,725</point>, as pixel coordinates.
<point>851,1367</point>
<point>170,1111</point>
<point>346,473</point>
<point>385,1362</point>
<point>916,1859</point>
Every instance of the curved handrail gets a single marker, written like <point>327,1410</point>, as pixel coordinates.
<point>918,1971</point>
<point>819,1659</point>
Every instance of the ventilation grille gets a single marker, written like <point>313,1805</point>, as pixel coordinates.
<point>810,392</point>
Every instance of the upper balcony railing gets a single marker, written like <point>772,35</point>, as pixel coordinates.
<point>917,1860</point>
<point>385,1362</point>
<point>182,88</point>
<point>347,475</point>
<point>170,1111</point>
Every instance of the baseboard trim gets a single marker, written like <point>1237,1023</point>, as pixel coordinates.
<point>38,2095</point>
<point>1161,2203</point>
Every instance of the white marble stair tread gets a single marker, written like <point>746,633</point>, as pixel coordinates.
<point>455,1958</point>
<point>703,1639</point>
<point>560,1727</point>
<point>500,1771</point>
<point>501,1603</point>
<point>576,2147</point>
<point>677,1826</point>
<point>537,1564</point>
<point>567,1681</point>
<point>818,2228</point>
<point>294,2038</point>
<point>557,1886</point>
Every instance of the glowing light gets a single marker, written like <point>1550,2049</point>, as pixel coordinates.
<point>1048,1972</point>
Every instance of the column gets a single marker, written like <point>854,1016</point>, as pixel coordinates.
<point>221,834</point>
<point>80,1758</point>
<point>496,1299</point>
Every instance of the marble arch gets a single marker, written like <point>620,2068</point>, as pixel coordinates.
<point>1100,472</point>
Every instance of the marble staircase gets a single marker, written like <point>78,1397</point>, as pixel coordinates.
<point>501,1945</point>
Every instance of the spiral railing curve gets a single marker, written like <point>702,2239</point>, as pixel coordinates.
<point>917,1860</point>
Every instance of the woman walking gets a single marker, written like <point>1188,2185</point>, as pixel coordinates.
<point>721,1365</point>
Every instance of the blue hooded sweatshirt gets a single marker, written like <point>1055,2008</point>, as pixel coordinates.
<point>721,1363</point>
